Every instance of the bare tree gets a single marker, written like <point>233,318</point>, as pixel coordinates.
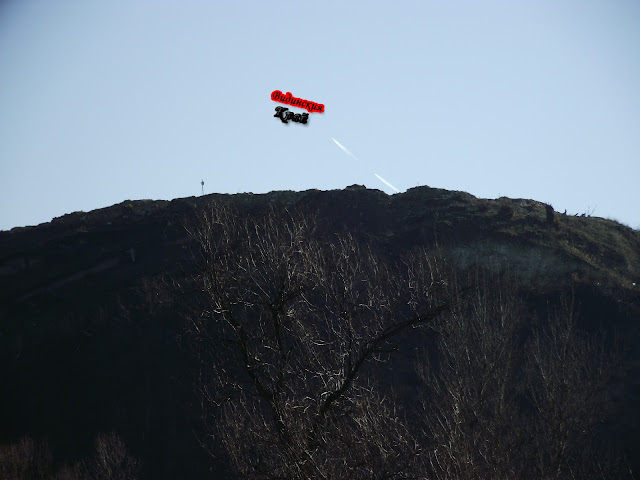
<point>293,330</point>
<point>567,374</point>
<point>32,460</point>
<point>293,326</point>
<point>469,399</point>
<point>505,399</point>
<point>26,459</point>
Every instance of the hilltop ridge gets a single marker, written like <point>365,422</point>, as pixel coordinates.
<point>521,231</point>
<point>91,337</point>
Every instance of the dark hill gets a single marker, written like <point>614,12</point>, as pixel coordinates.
<point>90,340</point>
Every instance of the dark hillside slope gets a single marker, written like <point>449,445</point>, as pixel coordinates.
<point>91,335</point>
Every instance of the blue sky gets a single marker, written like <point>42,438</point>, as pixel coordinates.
<point>101,102</point>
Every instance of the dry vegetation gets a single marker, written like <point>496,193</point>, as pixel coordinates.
<point>294,331</point>
<point>32,460</point>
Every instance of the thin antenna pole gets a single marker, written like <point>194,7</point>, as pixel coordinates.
<point>202,183</point>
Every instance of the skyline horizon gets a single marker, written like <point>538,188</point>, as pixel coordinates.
<point>588,213</point>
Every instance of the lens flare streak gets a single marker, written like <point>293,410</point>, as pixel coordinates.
<point>345,150</point>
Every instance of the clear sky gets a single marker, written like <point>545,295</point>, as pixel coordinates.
<point>104,101</point>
